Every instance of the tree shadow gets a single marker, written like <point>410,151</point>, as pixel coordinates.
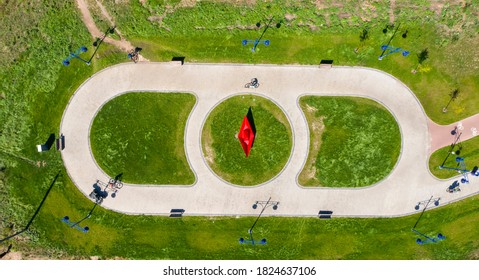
<point>364,35</point>
<point>423,55</point>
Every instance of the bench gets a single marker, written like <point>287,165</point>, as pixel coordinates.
<point>178,60</point>
<point>326,63</point>
<point>60,143</point>
<point>176,213</point>
<point>325,214</point>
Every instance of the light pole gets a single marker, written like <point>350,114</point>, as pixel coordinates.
<point>84,49</point>
<point>258,41</point>
<point>264,204</point>
<point>98,41</point>
<point>390,48</point>
<point>428,239</point>
<point>76,225</point>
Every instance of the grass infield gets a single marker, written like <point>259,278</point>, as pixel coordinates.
<point>223,151</point>
<point>141,135</point>
<point>354,142</point>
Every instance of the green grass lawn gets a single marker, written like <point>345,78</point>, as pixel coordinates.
<point>354,142</point>
<point>469,151</point>
<point>141,135</point>
<point>35,88</point>
<point>223,150</point>
<point>151,237</point>
<point>303,33</point>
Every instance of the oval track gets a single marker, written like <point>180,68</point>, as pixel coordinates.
<point>408,183</point>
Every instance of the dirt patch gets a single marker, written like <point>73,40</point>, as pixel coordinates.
<point>367,11</point>
<point>158,19</point>
<point>12,256</point>
<point>192,3</point>
<point>344,15</point>
<point>317,127</point>
<point>437,7</point>
<point>308,176</point>
<point>312,27</point>
<point>310,109</point>
<point>321,4</point>
<point>474,255</point>
<point>87,19</point>
<point>208,152</point>
<point>309,173</point>
<point>289,17</point>
<point>106,15</point>
<point>392,7</point>
<point>187,3</point>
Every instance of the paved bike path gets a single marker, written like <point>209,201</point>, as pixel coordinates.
<point>409,183</point>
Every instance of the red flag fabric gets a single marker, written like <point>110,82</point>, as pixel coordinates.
<point>246,136</point>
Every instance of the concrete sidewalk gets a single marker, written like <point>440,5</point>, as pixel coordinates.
<point>409,183</point>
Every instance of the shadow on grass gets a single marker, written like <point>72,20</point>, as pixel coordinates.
<point>250,118</point>
<point>38,209</point>
<point>50,141</point>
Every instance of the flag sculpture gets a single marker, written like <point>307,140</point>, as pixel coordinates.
<point>246,136</point>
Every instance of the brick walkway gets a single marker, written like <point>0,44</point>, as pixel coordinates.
<point>441,134</point>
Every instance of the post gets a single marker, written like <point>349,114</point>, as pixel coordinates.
<point>256,42</point>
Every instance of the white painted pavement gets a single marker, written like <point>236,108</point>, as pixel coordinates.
<point>409,183</point>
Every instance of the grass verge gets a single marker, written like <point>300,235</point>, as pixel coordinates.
<point>113,235</point>
<point>469,150</point>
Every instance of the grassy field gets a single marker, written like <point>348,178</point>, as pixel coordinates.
<point>223,150</point>
<point>114,235</point>
<point>354,142</point>
<point>35,88</point>
<point>141,135</point>
<point>469,150</point>
<point>306,32</point>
